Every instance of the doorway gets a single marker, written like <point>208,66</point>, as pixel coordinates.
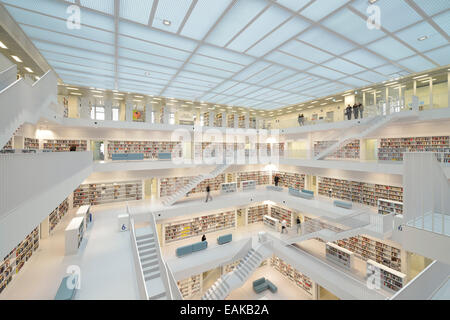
<point>98,149</point>
<point>241,217</point>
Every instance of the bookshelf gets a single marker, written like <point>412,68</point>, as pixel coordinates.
<point>338,255</point>
<point>168,186</point>
<point>17,258</point>
<point>271,222</point>
<point>206,119</point>
<point>369,249</point>
<point>256,214</point>
<point>350,151</point>
<point>100,193</point>
<point>388,278</point>
<point>218,120</point>
<point>198,226</point>
<point>64,145</point>
<point>249,185</point>
<point>150,149</point>
<point>290,180</point>
<point>302,281</point>
<point>230,121</point>
<point>228,187</point>
<point>190,286</point>
<point>388,206</point>
<point>57,214</point>
<point>74,235</point>
<point>360,192</point>
<point>8,145</point>
<point>261,177</point>
<point>392,149</point>
<point>282,214</point>
<point>30,143</point>
<point>241,121</point>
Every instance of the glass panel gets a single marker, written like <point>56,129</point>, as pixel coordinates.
<point>440,91</point>
<point>423,92</point>
<point>115,114</point>
<point>99,113</point>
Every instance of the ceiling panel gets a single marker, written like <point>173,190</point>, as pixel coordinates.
<point>321,8</point>
<point>235,20</point>
<point>136,10</point>
<point>172,11</point>
<point>277,52</point>
<point>266,22</point>
<point>433,7</point>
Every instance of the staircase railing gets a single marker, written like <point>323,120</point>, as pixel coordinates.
<point>137,262</point>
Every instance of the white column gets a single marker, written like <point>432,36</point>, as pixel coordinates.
<point>431,92</point>
<point>212,116</point>
<point>247,121</point>
<point>148,113</point>
<point>224,119</point>
<point>108,110</point>
<point>448,86</point>
<point>85,110</point>
<point>45,228</point>
<point>236,121</point>
<point>128,111</point>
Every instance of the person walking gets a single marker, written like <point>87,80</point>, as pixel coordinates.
<point>301,119</point>
<point>355,111</point>
<point>283,226</point>
<point>203,238</point>
<point>208,193</point>
<point>276,179</point>
<point>361,110</point>
<point>348,112</point>
<point>299,224</point>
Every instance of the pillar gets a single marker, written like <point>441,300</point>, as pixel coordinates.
<point>108,110</point>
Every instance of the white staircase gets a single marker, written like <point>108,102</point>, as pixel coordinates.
<point>149,260</point>
<point>376,123</point>
<point>235,279</point>
<point>180,193</point>
<point>22,102</point>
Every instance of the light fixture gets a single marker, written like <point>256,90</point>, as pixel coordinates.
<point>3,46</point>
<point>98,96</point>
<point>17,58</point>
<point>329,98</point>
<point>372,1</point>
<point>422,76</point>
<point>366,89</point>
<point>157,99</point>
<point>314,102</point>
<point>322,104</point>
<point>118,94</point>
<point>140,97</point>
<point>76,94</point>
<point>422,38</point>
<point>118,98</point>
<point>29,70</point>
<point>70,88</point>
<point>167,22</point>
<point>96,91</point>
<point>37,78</point>
<point>390,84</point>
<point>135,100</point>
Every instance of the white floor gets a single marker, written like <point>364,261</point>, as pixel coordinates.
<point>105,260</point>
<point>287,290</point>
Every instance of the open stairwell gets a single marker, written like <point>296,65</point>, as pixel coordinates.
<point>376,123</point>
<point>181,192</point>
<point>28,101</point>
<point>149,260</point>
<point>235,279</point>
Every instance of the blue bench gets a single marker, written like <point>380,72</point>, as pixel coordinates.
<point>342,204</point>
<point>301,194</point>
<point>263,284</point>
<point>64,292</point>
<point>182,251</point>
<point>273,188</point>
<point>224,239</point>
<point>164,156</point>
<point>308,191</point>
<point>127,156</point>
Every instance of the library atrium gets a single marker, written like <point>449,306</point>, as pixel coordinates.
<point>224,150</point>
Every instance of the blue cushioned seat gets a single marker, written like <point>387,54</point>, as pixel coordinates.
<point>343,204</point>
<point>224,239</point>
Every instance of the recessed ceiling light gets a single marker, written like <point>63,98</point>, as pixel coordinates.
<point>157,99</point>
<point>329,98</point>
<point>167,22</point>
<point>75,93</point>
<point>29,70</point>
<point>118,98</point>
<point>70,88</point>
<point>314,102</point>
<point>322,104</point>
<point>422,76</point>
<point>37,78</point>
<point>98,96</point>
<point>119,94</point>
<point>422,38</point>
<point>367,89</point>
<point>3,46</point>
<point>140,97</point>
<point>135,100</point>
<point>372,1</point>
<point>96,91</point>
<point>390,84</point>
<point>17,58</point>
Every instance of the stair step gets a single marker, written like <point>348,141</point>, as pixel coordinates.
<point>148,257</point>
<point>150,263</point>
<point>150,269</point>
<point>146,241</point>
<point>152,275</point>
<point>146,247</point>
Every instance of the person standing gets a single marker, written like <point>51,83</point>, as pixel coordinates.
<point>203,238</point>
<point>208,193</point>
<point>301,120</point>
<point>361,110</point>
<point>299,224</point>
<point>355,111</point>
<point>276,180</point>
<point>283,226</point>
<point>349,112</point>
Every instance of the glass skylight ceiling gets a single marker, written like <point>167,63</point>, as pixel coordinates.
<point>263,54</point>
